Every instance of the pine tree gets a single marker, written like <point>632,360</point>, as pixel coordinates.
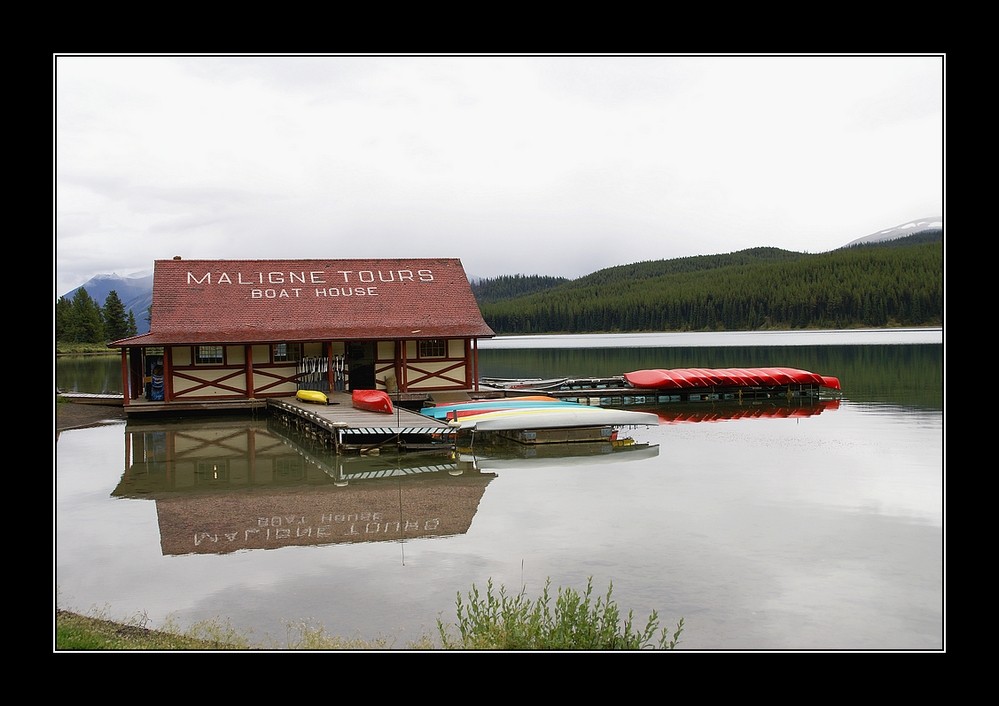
<point>115,320</point>
<point>63,314</point>
<point>86,323</point>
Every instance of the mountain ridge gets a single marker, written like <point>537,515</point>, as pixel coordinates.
<point>136,291</point>
<point>902,230</point>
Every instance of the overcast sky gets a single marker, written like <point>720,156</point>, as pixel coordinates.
<point>552,165</point>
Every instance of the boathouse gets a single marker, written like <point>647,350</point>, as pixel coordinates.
<point>248,330</point>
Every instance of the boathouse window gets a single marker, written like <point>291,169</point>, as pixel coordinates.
<point>208,355</point>
<point>286,352</point>
<point>433,348</point>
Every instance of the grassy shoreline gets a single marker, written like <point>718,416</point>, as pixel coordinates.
<point>84,349</point>
<point>79,632</point>
<point>96,632</point>
<point>496,620</point>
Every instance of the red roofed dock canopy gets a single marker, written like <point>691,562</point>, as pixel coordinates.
<point>252,329</point>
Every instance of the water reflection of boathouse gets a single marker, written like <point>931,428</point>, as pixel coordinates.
<point>230,485</point>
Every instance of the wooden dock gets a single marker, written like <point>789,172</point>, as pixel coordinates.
<point>342,427</point>
<point>108,400</point>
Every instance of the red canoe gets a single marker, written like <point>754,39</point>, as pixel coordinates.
<point>372,400</point>
<point>647,378</point>
<point>738,377</point>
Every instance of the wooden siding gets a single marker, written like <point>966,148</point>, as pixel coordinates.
<point>437,375</point>
<point>247,371</point>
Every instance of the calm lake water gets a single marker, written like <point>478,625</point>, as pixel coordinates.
<point>765,527</point>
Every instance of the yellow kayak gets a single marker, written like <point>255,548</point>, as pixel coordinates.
<point>312,396</point>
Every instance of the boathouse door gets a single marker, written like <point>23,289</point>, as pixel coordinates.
<point>361,365</point>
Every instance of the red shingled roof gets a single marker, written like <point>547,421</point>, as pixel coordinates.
<point>248,301</point>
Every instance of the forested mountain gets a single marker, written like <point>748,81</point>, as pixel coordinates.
<point>512,286</point>
<point>893,283</point>
<point>878,281</point>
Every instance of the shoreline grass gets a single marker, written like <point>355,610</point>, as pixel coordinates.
<point>495,621</point>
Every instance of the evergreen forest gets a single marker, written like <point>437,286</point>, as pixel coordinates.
<point>83,320</point>
<point>896,283</point>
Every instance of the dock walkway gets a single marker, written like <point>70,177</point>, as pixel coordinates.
<point>342,427</point>
<point>107,399</point>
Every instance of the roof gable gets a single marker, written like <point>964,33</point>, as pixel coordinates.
<point>222,301</point>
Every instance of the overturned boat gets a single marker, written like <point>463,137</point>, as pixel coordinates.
<point>660,385</point>
<point>679,378</point>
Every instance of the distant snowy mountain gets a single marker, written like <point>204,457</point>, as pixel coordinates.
<point>901,231</point>
<point>135,292</point>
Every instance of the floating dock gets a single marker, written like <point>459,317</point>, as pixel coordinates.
<point>345,429</point>
<point>107,399</point>
<point>341,427</point>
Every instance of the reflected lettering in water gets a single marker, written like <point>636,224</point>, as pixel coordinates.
<point>224,486</point>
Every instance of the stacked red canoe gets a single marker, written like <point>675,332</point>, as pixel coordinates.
<point>727,377</point>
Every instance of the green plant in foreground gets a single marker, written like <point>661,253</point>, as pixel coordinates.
<point>498,621</point>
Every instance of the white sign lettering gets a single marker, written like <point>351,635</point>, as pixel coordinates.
<point>359,283</point>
